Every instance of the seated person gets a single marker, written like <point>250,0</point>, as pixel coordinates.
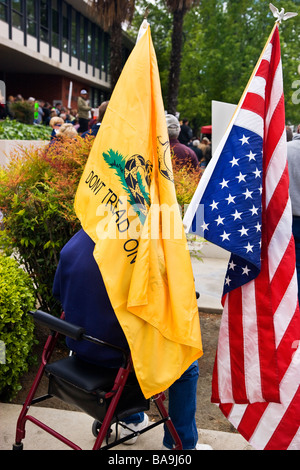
<point>56,123</point>
<point>79,286</point>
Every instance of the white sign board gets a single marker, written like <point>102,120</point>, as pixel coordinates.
<point>221,117</point>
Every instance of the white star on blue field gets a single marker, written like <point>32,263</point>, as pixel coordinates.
<point>232,206</point>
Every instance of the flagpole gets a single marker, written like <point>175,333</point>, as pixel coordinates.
<point>144,25</point>
<point>253,73</point>
<point>280,16</point>
<point>189,215</point>
<point>276,25</point>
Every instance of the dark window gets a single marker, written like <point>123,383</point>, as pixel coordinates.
<point>89,42</point>
<point>17,14</point>
<point>31,17</point>
<point>96,47</point>
<point>65,29</point>
<point>3,10</point>
<point>82,39</point>
<point>44,21</point>
<point>55,25</point>
<point>74,34</point>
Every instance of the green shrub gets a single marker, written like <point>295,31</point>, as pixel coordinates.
<point>23,111</point>
<point>17,297</point>
<point>186,180</point>
<point>37,192</point>
<point>13,130</point>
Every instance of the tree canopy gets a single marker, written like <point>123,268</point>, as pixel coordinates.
<point>112,13</point>
<point>222,42</point>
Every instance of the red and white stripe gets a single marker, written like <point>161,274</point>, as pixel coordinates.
<point>259,388</point>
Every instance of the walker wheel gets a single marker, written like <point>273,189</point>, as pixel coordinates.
<point>96,427</point>
<point>17,446</point>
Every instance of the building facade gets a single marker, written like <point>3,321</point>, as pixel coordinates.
<point>51,49</point>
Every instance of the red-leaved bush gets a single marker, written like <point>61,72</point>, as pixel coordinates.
<point>37,192</point>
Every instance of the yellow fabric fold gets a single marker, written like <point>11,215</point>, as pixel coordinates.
<point>126,202</point>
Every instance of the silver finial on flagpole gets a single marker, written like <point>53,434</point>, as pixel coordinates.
<point>147,11</point>
<point>281,15</point>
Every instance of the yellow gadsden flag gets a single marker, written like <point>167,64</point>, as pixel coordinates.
<point>126,203</point>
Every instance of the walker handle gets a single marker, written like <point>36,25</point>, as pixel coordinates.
<point>59,325</point>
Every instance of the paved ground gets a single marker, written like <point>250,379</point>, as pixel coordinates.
<point>77,427</point>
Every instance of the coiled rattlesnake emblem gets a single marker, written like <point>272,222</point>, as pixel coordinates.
<point>163,152</point>
<point>135,176</point>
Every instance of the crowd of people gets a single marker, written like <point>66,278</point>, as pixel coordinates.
<point>82,119</point>
<point>187,149</point>
<point>69,122</point>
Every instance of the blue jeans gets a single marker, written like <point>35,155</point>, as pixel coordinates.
<point>296,233</point>
<point>182,409</point>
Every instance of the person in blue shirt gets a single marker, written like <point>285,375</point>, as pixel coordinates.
<point>79,286</point>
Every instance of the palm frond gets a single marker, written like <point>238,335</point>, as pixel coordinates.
<point>111,12</point>
<point>176,6</point>
<point>116,161</point>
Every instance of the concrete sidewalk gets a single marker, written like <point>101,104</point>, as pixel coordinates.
<point>209,274</point>
<point>77,427</point>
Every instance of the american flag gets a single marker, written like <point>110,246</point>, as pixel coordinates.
<point>242,204</point>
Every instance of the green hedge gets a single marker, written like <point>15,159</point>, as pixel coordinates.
<point>37,191</point>
<point>14,130</point>
<point>22,111</point>
<point>17,297</point>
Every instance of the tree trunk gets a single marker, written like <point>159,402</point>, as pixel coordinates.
<point>174,75</point>
<point>116,62</point>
